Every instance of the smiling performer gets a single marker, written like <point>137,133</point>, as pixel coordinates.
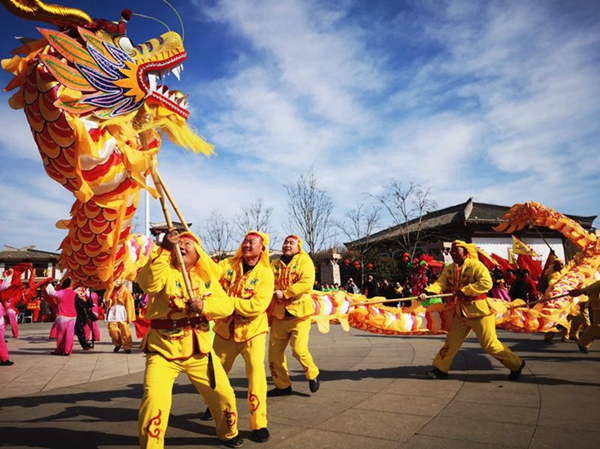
<point>469,280</point>
<point>179,339</point>
<point>247,277</point>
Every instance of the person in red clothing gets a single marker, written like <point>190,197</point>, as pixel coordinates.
<point>532,290</point>
<point>65,316</point>
<point>34,305</point>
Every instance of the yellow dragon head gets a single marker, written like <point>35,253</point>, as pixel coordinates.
<point>101,75</point>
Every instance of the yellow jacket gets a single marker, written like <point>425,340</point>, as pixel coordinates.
<point>167,300</point>
<point>251,293</point>
<point>296,279</point>
<point>121,295</point>
<point>473,279</point>
<point>593,293</point>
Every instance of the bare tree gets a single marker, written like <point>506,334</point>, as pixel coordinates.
<point>359,225</point>
<point>309,210</point>
<point>255,217</point>
<point>217,236</point>
<point>406,207</point>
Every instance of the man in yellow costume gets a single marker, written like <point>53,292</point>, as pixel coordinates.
<point>179,339</point>
<point>555,270</point>
<point>593,331</point>
<point>248,279</point>
<point>292,308</point>
<point>469,280</point>
<point>121,312</point>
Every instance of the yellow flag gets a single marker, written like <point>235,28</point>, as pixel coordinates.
<point>520,247</point>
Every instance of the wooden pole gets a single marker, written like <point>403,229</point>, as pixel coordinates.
<point>170,198</point>
<point>160,189</point>
<point>539,301</point>
<point>540,234</point>
<point>445,295</point>
<point>408,298</point>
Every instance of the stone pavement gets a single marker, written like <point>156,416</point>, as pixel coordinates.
<point>374,394</point>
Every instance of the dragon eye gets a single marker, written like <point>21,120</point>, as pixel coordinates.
<point>126,44</point>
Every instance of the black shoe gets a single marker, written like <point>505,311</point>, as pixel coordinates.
<point>261,435</point>
<point>279,392</point>
<point>127,351</point>
<point>437,374</point>
<point>8,363</point>
<point>117,348</point>
<point>236,441</point>
<point>582,349</point>
<point>314,385</point>
<point>207,415</point>
<point>514,375</point>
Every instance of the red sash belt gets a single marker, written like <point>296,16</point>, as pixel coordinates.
<point>476,298</point>
<point>194,321</point>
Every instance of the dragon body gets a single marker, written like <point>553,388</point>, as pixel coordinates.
<point>353,310</point>
<point>97,107</point>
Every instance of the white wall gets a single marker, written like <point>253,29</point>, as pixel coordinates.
<point>501,244</point>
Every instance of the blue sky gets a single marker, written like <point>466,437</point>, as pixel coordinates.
<point>496,100</point>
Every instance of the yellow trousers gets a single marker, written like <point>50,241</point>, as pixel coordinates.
<point>574,326</point>
<point>294,331</point>
<point>253,352</point>
<point>485,330</point>
<point>153,416</point>
<point>592,332</point>
<point>120,334</point>
<point>579,323</point>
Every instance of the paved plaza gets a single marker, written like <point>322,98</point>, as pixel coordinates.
<point>374,394</point>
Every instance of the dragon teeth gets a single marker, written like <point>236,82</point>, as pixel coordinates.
<point>153,79</point>
<point>176,72</point>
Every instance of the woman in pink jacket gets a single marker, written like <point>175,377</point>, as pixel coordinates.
<point>65,316</point>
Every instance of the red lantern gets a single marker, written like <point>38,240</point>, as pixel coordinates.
<point>346,262</point>
<point>405,257</point>
<point>369,266</point>
<point>357,264</point>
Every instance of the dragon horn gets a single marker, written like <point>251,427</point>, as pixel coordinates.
<point>61,16</point>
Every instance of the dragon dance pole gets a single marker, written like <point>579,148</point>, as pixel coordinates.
<point>147,211</point>
<point>539,301</point>
<point>445,295</point>
<point>540,234</point>
<point>159,187</point>
<point>170,198</point>
<point>408,298</point>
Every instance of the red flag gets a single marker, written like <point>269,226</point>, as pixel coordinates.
<point>533,266</point>
<point>503,263</point>
<point>486,259</point>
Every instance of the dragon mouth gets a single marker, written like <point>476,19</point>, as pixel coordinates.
<point>152,77</point>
